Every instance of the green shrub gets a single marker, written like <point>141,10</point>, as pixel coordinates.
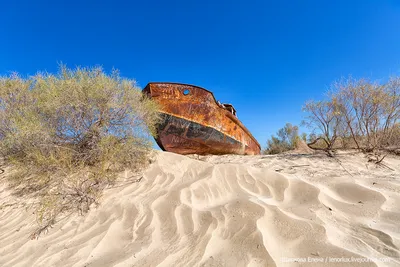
<point>68,135</point>
<point>286,140</point>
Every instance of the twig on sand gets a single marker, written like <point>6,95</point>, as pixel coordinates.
<point>138,180</point>
<point>45,229</point>
<point>327,207</point>
<point>291,167</point>
<point>379,161</point>
<point>343,166</point>
<point>384,165</point>
<point>295,166</point>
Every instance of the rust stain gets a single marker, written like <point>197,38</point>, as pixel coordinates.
<point>193,122</point>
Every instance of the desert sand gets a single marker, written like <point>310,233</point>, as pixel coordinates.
<point>284,210</point>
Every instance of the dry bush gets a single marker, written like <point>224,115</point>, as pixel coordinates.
<point>68,135</point>
<point>359,113</point>
<point>393,142</point>
<point>286,140</point>
<point>369,109</point>
<point>391,107</point>
<point>324,116</point>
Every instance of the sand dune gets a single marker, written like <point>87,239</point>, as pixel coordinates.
<point>224,211</point>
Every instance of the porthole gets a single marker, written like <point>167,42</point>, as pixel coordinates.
<point>186,91</point>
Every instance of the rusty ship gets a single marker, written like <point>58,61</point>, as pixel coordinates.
<point>194,122</point>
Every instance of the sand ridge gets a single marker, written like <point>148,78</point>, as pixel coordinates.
<point>224,211</point>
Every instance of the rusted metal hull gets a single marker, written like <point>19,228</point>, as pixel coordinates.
<point>193,122</point>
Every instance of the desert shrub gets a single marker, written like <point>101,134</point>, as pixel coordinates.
<point>69,134</point>
<point>393,141</point>
<point>286,140</point>
<point>391,113</point>
<point>370,110</point>
<point>359,113</point>
<point>324,117</point>
<point>276,146</point>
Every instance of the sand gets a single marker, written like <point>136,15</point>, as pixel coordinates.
<point>282,210</point>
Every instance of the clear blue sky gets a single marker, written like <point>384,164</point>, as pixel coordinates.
<point>265,57</point>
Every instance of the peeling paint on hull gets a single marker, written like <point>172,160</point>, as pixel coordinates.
<point>192,122</point>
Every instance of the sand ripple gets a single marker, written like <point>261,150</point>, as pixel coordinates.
<point>224,211</point>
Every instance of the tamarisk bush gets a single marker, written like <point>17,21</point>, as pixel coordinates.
<point>68,135</point>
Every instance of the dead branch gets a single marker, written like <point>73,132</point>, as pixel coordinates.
<point>295,166</point>
<point>379,161</point>
<point>340,163</point>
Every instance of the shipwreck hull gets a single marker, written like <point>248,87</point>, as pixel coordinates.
<point>193,122</point>
<point>183,136</point>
